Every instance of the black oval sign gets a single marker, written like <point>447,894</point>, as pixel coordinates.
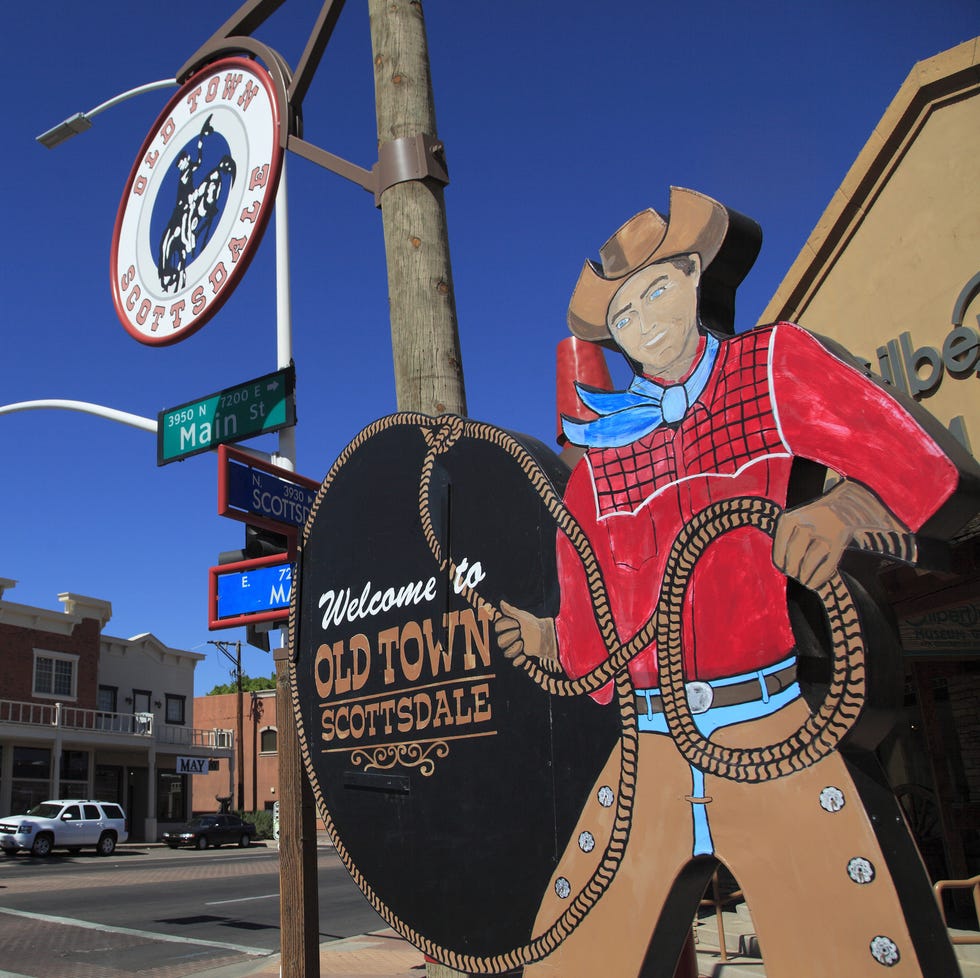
<point>448,781</point>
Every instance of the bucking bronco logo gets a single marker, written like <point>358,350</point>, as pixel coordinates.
<point>193,218</point>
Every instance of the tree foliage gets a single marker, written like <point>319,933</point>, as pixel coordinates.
<point>249,685</point>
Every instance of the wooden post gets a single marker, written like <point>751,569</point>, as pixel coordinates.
<point>424,335</point>
<point>422,304</point>
<point>299,898</point>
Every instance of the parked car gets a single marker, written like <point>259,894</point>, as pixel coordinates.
<point>211,830</point>
<point>70,823</point>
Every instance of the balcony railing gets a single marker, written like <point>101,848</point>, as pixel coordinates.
<point>140,725</point>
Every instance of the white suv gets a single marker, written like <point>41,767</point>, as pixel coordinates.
<point>65,824</point>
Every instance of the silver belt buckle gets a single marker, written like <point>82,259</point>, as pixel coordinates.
<point>699,696</point>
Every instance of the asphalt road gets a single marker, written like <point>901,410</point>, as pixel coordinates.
<point>161,912</point>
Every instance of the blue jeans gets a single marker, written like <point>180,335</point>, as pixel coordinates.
<point>714,718</point>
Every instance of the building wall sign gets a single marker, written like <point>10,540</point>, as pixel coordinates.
<point>196,202</point>
<point>959,353</point>
<point>949,630</point>
<point>192,765</point>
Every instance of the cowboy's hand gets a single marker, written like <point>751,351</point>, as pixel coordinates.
<point>521,634</point>
<point>810,539</point>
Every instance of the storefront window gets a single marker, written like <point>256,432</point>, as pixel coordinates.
<point>171,796</point>
<point>31,782</point>
<point>109,782</point>
<point>73,775</point>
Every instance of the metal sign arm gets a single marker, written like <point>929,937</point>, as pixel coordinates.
<point>315,46</point>
<point>407,158</point>
<point>244,20</point>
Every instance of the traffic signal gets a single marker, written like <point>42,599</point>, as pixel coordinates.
<point>258,543</point>
<point>258,639</point>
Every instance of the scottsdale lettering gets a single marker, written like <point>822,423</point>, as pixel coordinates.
<point>423,686</point>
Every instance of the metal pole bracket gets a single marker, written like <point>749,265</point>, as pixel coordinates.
<point>409,158</point>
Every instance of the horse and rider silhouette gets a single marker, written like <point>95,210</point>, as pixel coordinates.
<point>192,220</point>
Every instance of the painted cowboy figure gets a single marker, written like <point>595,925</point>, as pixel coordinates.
<point>708,419</point>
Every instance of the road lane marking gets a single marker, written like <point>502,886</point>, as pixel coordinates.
<point>131,932</point>
<point>267,896</point>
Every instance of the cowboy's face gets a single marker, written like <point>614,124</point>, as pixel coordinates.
<point>654,316</point>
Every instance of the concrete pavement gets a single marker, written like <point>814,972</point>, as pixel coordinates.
<point>382,954</point>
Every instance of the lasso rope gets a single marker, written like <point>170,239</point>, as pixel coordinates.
<point>817,737</point>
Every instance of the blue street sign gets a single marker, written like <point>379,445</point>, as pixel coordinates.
<point>250,591</point>
<point>263,494</point>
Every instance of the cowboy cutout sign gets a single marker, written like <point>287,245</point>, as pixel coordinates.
<point>680,643</point>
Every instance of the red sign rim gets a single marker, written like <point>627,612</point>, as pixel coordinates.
<point>241,265</point>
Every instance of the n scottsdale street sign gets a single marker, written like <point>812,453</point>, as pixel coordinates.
<point>263,494</point>
<point>254,408</point>
<point>197,201</point>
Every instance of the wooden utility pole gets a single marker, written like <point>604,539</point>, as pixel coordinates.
<point>422,303</point>
<point>236,661</point>
<point>424,333</point>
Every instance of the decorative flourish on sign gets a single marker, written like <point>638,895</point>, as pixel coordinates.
<point>408,755</point>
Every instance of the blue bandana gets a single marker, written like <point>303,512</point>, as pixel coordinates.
<point>627,415</point>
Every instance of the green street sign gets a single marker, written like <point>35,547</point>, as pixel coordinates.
<point>253,408</point>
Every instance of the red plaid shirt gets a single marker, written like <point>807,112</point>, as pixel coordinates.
<point>775,394</point>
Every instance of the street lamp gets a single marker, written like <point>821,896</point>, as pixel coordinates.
<point>81,121</point>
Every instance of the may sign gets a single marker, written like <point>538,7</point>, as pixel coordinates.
<point>197,201</point>
<point>192,765</point>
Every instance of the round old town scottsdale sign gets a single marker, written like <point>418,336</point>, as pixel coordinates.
<point>197,201</point>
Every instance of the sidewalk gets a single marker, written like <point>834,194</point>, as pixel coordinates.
<point>382,954</point>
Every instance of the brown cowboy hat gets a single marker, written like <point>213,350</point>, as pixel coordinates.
<point>697,225</point>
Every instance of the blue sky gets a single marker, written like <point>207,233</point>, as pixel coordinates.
<point>560,120</point>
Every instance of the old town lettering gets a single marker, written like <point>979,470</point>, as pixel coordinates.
<point>439,665</point>
<point>427,711</point>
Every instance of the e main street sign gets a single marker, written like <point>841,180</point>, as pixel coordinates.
<point>249,591</point>
<point>256,407</point>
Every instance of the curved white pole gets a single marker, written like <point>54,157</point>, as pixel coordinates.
<point>284,316</point>
<point>111,414</point>
<point>139,90</point>
<point>81,121</point>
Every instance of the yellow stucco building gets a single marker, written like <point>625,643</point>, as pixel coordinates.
<point>892,272</point>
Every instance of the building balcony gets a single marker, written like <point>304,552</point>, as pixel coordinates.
<point>43,720</point>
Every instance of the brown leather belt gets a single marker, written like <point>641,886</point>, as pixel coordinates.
<point>732,694</point>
